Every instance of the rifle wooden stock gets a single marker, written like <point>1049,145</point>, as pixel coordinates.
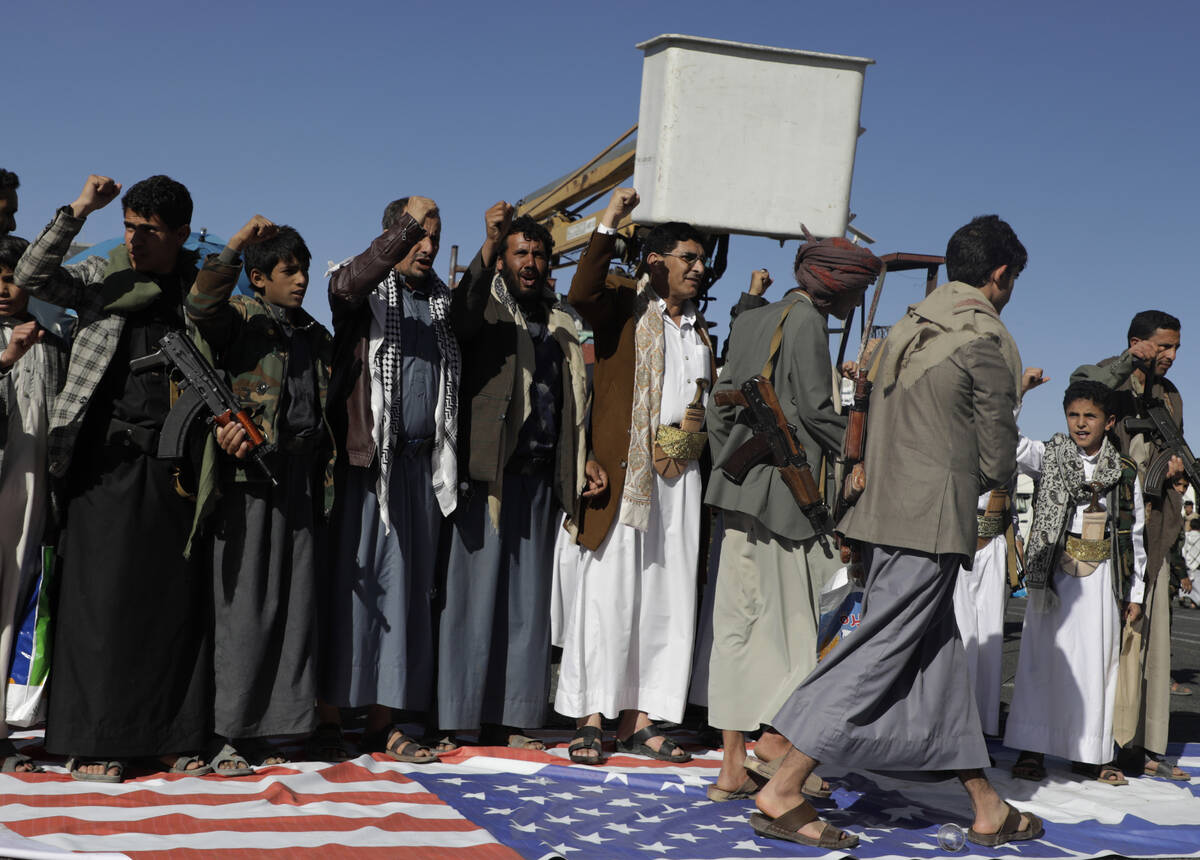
<point>854,446</point>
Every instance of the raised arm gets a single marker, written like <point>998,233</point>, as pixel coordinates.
<point>208,300</point>
<point>596,302</point>
<point>40,270</point>
<point>351,283</point>
<point>470,297</point>
<point>1118,370</point>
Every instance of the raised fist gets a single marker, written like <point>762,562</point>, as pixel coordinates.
<point>258,229</point>
<point>24,336</point>
<point>97,193</point>
<point>623,201</point>
<point>760,279</point>
<point>497,219</point>
<point>1032,378</point>
<point>420,208</point>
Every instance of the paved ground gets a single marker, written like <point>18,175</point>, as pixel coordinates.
<point>1185,665</point>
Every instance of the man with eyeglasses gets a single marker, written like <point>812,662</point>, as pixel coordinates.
<point>630,595</point>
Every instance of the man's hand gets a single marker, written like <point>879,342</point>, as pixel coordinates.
<point>1185,584</point>
<point>1031,379</point>
<point>258,229</point>
<point>1133,611</point>
<point>23,338</point>
<point>97,193</point>
<point>622,202</point>
<point>1144,350</point>
<point>1174,467</point>
<point>597,479</point>
<point>420,208</point>
<point>760,279</point>
<point>232,440</point>
<point>497,220</point>
<point>849,369</point>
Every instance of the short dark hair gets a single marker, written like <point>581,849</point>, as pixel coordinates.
<point>285,245</point>
<point>8,181</point>
<point>11,249</point>
<point>1089,389</point>
<point>980,247</point>
<point>1146,323</point>
<point>663,238</point>
<point>393,211</point>
<point>162,196</point>
<point>531,230</point>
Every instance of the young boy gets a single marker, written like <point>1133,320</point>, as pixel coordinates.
<point>1085,569</point>
<point>33,368</point>
<point>266,540</point>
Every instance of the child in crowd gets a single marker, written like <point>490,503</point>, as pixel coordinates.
<point>33,366</point>
<point>1085,567</point>
<point>1188,598</point>
<point>267,538</point>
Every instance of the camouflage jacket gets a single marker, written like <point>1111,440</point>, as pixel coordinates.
<point>249,343</point>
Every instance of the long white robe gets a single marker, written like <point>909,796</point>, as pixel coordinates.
<point>23,486</point>
<point>1066,683</point>
<point>979,598</point>
<point>627,612</point>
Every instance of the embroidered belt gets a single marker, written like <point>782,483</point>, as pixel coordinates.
<point>1088,550</point>
<point>990,526</point>
<point>680,444</point>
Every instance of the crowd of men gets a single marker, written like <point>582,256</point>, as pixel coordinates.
<point>427,499</point>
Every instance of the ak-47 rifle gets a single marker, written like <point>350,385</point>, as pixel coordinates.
<point>854,444</point>
<point>1155,421</point>
<point>774,441</point>
<point>202,387</point>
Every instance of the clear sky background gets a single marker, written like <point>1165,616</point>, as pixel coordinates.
<point>1075,121</point>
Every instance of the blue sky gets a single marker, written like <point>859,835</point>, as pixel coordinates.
<point>1076,122</point>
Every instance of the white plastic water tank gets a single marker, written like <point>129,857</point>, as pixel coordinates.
<point>746,138</point>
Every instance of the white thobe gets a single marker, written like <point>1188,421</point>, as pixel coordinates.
<point>979,598</point>
<point>1066,683</point>
<point>22,491</point>
<point>627,612</point>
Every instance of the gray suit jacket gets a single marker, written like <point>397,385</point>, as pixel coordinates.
<point>804,383</point>
<point>933,448</point>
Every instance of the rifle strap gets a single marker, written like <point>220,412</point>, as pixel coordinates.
<point>768,371</point>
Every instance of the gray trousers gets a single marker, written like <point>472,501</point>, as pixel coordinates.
<point>894,695</point>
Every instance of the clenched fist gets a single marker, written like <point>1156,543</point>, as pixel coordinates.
<point>760,279</point>
<point>23,338</point>
<point>421,208</point>
<point>258,229</point>
<point>97,193</point>
<point>623,201</point>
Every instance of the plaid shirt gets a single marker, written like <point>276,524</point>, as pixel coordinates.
<point>41,273</point>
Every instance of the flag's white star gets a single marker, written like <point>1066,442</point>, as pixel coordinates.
<point>538,780</point>
<point>649,819</point>
<point>692,779</point>
<point>595,789</point>
<point>479,795</point>
<point>865,837</point>
<point>526,828</point>
<point>657,846</point>
<point>515,789</point>
<point>647,796</point>
<point>566,819</point>
<point>623,828</point>
<point>617,776</point>
<point>564,795</point>
<point>538,799</point>
<point>491,810</point>
<point>746,845</point>
<point>583,810</point>
<point>594,838</point>
<point>563,848</point>
<point>687,837</point>
<point>738,818</point>
<point>677,786</point>
<point>622,801</point>
<point>453,780</point>
<point>668,810</point>
<point>717,827</point>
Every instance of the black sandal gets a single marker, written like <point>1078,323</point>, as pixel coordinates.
<point>327,738</point>
<point>589,739</point>
<point>635,744</point>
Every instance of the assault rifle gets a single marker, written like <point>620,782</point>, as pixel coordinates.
<point>202,387</point>
<point>774,441</point>
<point>1159,424</point>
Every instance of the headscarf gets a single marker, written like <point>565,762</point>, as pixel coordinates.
<point>826,268</point>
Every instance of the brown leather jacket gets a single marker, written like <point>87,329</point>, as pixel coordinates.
<point>349,407</point>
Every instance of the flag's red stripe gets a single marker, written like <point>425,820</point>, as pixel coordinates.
<point>339,852</point>
<point>176,824</point>
<point>275,794</point>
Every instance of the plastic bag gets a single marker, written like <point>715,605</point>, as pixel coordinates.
<point>25,700</point>
<point>841,612</point>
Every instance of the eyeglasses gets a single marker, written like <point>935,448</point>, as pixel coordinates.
<point>690,259</point>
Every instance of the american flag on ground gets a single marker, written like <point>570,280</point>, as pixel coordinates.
<point>487,802</point>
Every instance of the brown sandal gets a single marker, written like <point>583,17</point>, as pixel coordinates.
<point>814,786</point>
<point>1010,830</point>
<point>787,827</point>
<point>719,795</point>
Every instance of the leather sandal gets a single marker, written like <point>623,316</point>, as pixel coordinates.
<point>814,786</point>
<point>635,744</point>
<point>787,827</point>
<point>1010,830</point>
<point>589,738</point>
<point>1109,774</point>
<point>1029,766</point>
<point>749,788</point>
<point>228,755</point>
<point>74,764</point>
<point>391,741</point>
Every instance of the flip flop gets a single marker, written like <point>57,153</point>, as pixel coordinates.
<point>1010,830</point>
<point>227,754</point>
<point>589,739</point>
<point>74,764</point>
<point>635,744</point>
<point>11,759</point>
<point>384,742</point>
<point>507,736</point>
<point>181,763</point>
<point>1108,774</point>
<point>786,827</point>
<point>814,786</point>
<point>1163,769</point>
<point>1180,690</point>
<point>719,795</point>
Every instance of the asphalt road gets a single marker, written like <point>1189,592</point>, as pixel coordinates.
<point>1185,667</point>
